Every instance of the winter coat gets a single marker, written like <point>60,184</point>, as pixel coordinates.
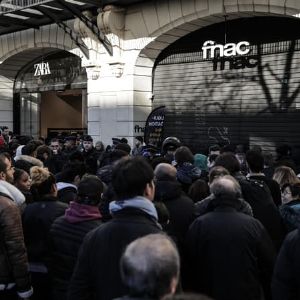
<point>13,257</point>
<point>91,158</point>
<point>181,208</point>
<point>187,173</point>
<point>286,276</point>
<point>97,273</point>
<point>65,238</point>
<point>37,220</point>
<point>230,255</point>
<point>290,213</point>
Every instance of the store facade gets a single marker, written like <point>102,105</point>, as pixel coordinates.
<point>152,49</point>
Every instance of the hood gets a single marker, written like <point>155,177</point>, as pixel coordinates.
<point>12,192</point>
<point>62,185</point>
<point>187,173</point>
<point>32,160</point>
<point>167,190</point>
<point>78,212</point>
<point>200,161</point>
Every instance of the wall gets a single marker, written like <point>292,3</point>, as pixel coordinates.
<point>59,113</point>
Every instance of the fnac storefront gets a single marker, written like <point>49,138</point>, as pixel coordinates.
<point>236,82</point>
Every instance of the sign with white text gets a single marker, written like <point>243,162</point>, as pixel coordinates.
<point>41,69</point>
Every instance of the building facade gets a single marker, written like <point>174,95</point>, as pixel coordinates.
<point>158,60</point>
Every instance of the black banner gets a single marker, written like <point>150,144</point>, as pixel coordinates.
<point>154,126</point>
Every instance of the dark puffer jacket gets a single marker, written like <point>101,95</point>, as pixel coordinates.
<point>13,257</point>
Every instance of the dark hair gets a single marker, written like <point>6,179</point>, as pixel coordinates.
<point>54,140</point>
<point>18,173</point>
<point>29,148</point>
<point>41,150</point>
<point>71,170</point>
<point>229,162</point>
<point>184,154</point>
<point>3,165</point>
<point>130,177</point>
<point>24,165</point>
<point>90,189</point>
<point>255,161</point>
<point>198,190</point>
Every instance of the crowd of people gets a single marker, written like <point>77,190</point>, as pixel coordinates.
<point>79,221</point>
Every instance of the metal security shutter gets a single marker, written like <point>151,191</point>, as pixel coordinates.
<point>207,103</point>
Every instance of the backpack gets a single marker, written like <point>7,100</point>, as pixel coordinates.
<point>258,195</point>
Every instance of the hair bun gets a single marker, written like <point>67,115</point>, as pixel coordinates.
<point>39,175</point>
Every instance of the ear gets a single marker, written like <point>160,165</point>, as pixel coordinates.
<point>173,285</point>
<point>2,176</point>
<point>149,191</point>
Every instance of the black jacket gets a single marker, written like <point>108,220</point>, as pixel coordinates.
<point>96,275</point>
<point>286,276</point>
<point>181,208</point>
<point>37,220</point>
<point>65,239</point>
<point>230,255</point>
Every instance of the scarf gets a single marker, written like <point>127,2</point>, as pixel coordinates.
<point>138,202</point>
<point>78,212</point>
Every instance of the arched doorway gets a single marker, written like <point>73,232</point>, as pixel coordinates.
<point>50,96</point>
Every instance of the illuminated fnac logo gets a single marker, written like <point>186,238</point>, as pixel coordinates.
<point>41,69</point>
<point>211,49</point>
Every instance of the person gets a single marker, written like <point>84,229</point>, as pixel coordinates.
<point>37,220</point>
<point>14,275</point>
<point>22,182</point>
<point>290,208</point>
<point>230,254</point>
<point>90,154</point>
<point>255,163</point>
<point>5,134</point>
<point>284,174</point>
<point>286,279</point>
<point>7,171</point>
<point>97,275</point>
<point>169,146</point>
<point>187,173</point>
<point>138,146</point>
<point>67,233</point>
<point>150,267</point>
<point>199,190</point>
<point>181,208</point>
<point>69,147</point>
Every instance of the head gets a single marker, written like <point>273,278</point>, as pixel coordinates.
<point>170,144</point>
<point>198,190</point>
<point>30,149</point>
<point>214,149</point>
<point>6,169</point>
<point>226,187</point>
<point>43,152</point>
<point>70,142</point>
<point>99,146</point>
<point>229,162</point>
<point>216,172</point>
<point>290,192</point>
<point>255,161</point>
<point>72,172</point>
<point>55,146</point>
<point>150,267</point>
<point>284,174</point>
<point>133,177</point>
<point>43,183</point>
<point>183,154</point>
<point>138,141</point>
<point>124,147</point>
<point>87,142</point>
<point>22,180</point>
<point>165,172</point>
<point>5,130</point>
<point>90,190</point>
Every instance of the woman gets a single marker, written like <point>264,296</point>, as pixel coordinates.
<point>284,175</point>
<point>22,182</point>
<point>37,220</point>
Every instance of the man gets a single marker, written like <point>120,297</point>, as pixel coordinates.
<point>286,276</point>
<point>97,275</point>
<point>69,147</point>
<point>6,181</point>
<point>230,253</point>
<point>181,208</point>
<point>150,267</point>
<point>5,134</point>
<point>14,275</point>
<point>138,146</point>
<point>255,163</point>
<point>90,154</point>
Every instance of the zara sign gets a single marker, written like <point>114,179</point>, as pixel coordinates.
<point>211,49</point>
<point>41,69</point>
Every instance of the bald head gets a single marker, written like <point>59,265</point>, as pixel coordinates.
<point>226,186</point>
<point>165,171</point>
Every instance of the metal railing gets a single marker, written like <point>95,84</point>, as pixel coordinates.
<point>7,6</point>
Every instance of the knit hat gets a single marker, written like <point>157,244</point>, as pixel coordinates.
<point>124,147</point>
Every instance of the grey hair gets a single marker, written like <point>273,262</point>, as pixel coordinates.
<point>148,266</point>
<point>226,186</point>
